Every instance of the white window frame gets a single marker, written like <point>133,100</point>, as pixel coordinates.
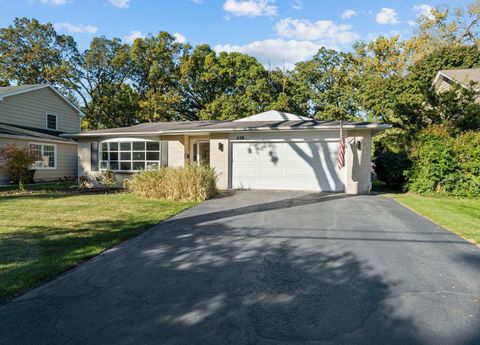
<point>56,121</point>
<point>196,142</point>
<point>42,145</point>
<point>131,140</point>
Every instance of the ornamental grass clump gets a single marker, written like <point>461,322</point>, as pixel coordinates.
<point>190,183</point>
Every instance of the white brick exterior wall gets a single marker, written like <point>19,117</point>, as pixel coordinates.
<point>219,158</point>
<point>358,162</point>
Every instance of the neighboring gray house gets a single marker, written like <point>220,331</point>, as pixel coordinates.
<point>38,115</point>
<point>271,150</point>
<point>445,78</point>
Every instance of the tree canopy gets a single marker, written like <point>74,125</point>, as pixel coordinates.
<point>157,78</point>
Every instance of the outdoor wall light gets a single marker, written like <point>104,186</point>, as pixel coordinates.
<point>359,145</point>
<point>220,146</point>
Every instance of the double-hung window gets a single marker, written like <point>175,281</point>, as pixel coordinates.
<point>47,155</point>
<point>128,155</point>
<point>51,121</point>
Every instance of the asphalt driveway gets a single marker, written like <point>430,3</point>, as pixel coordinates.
<point>266,268</point>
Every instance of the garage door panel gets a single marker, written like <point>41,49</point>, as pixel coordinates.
<point>251,171</point>
<point>300,166</point>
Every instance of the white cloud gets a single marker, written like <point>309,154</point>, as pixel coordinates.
<point>197,1</point>
<point>424,10</point>
<point>133,36</point>
<point>323,30</point>
<point>179,38</point>
<point>120,3</point>
<point>348,13</point>
<point>275,52</point>
<point>250,8</point>
<point>54,3</point>
<point>297,4</point>
<point>75,29</point>
<point>387,16</point>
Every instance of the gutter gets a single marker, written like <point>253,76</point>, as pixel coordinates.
<point>13,136</point>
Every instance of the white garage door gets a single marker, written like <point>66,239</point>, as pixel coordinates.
<point>282,165</point>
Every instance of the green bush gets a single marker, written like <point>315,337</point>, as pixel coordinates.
<point>446,164</point>
<point>191,183</point>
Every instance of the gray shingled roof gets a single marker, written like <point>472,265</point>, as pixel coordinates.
<point>463,76</point>
<point>228,126</point>
<point>24,132</point>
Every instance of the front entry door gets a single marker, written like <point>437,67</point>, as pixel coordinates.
<point>201,152</point>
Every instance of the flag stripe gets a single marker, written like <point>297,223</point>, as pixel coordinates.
<point>341,154</point>
<point>341,149</point>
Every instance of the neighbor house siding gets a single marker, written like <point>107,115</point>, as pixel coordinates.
<point>219,158</point>
<point>358,162</point>
<point>66,160</point>
<point>30,109</point>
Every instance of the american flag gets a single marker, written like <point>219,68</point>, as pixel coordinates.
<point>341,149</point>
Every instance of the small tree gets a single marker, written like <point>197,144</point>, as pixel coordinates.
<point>18,161</point>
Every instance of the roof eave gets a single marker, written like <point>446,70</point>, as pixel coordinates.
<point>37,139</point>
<point>376,127</point>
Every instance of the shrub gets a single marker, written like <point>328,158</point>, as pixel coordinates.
<point>18,161</point>
<point>85,182</point>
<point>107,179</point>
<point>191,183</point>
<point>446,164</point>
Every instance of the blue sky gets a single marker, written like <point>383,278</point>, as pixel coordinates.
<point>277,32</point>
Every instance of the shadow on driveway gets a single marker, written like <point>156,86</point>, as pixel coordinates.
<point>249,268</point>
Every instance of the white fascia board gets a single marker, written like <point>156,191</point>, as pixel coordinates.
<point>229,130</point>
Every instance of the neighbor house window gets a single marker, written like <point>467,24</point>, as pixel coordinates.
<point>130,155</point>
<point>47,154</point>
<point>51,121</point>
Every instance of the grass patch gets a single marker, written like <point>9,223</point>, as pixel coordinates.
<point>44,234</point>
<point>460,215</point>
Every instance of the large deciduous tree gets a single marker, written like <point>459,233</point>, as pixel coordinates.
<point>104,68</point>
<point>31,52</point>
<point>156,64</point>
<point>329,78</point>
<point>222,86</point>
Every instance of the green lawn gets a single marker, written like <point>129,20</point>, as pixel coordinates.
<point>461,216</point>
<point>45,233</point>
